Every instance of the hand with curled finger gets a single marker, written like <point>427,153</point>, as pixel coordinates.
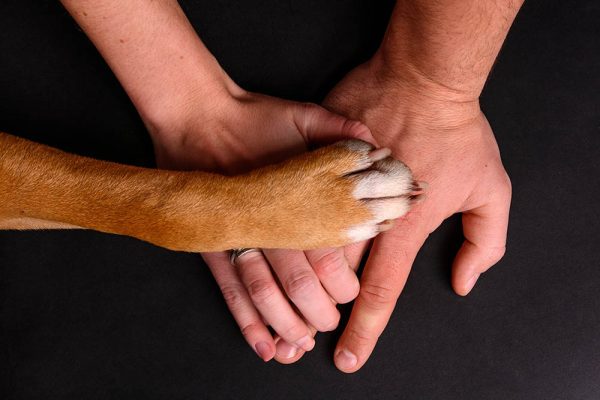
<point>267,287</point>
<point>272,287</point>
<point>199,119</point>
<point>419,94</point>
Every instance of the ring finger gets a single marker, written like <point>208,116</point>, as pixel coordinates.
<point>268,299</point>
<point>247,317</point>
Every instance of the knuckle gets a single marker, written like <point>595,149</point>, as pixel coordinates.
<point>262,291</point>
<point>309,110</point>
<point>508,183</point>
<point>329,264</point>
<point>496,254</point>
<point>376,296</point>
<point>490,255</point>
<point>349,125</point>
<point>308,106</point>
<point>300,285</point>
<point>508,189</point>
<point>248,330</point>
<point>361,338</point>
<point>233,295</point>
<point>293,333</point>
<point>505,187</point>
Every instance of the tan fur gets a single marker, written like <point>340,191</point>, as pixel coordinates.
<point>306,202</point>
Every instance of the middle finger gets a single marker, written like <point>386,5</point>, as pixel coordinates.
<point>270,302</point>
<point>304,288</point>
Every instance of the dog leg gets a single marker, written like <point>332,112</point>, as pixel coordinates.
<point>339,194</point>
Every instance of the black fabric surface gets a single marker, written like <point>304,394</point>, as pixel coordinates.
<point>92,316</point>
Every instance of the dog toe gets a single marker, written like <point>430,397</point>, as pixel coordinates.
<point>388,208</point>
<point>386,178</point>
<point>362,232</point>
<point>356,145</point>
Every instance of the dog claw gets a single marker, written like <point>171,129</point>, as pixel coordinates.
<point>418,186</point>
<point>379,154</point>
<point>386,225</point>
<point>416,198</point>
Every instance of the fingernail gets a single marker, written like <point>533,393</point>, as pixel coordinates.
<point>286,350</point>
<point>263,350</point>
<point>470,283</point>
<point>379,154</point>
<point>345,360</point>
<point>307,343</point>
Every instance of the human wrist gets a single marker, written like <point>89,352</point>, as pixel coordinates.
<point>179,81</point>
<point>171,113</point>
<point>158,58</point>
<point>403,72</point>
<point>195,122</point>
<point>413,98</point>
<point>451,44</point>
<point>430,73</point>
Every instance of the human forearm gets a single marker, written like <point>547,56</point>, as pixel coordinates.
<point>451,44</point>
<point>154,52</point>
<point>420,96</point>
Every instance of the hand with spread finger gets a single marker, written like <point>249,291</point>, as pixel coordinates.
<point>419,94</point>
<point>200,119</point>
<point>260,290</point>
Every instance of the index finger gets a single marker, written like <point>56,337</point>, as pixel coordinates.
<point>382,281</point>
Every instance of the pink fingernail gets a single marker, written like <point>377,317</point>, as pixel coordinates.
<point>345,360</point>
<point>263,350</point>
<point>286,350</point>
<point>306,343</point>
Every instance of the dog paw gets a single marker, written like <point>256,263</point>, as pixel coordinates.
<point>343,193</point>
<point>382,184</point>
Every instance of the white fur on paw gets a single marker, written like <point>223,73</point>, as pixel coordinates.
<point>382,210</point>
<point>363,149</point>
<point>356,145</point>
<point>362,232</point>
<point>389,178</point>
<point>386,190</point>
<point>390,208</point>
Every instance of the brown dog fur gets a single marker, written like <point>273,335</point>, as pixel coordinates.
<point>307,202</point>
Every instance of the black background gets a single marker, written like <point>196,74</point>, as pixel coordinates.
<point>92,316</point>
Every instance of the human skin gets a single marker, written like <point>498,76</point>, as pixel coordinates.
<point>420,96</point>
<point>199,118</point>
<point>419,93</point>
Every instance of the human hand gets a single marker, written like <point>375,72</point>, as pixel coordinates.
<point>240,131</point>
<point>200,119</point>
<point>171,77</point>
<point>448,143</point>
